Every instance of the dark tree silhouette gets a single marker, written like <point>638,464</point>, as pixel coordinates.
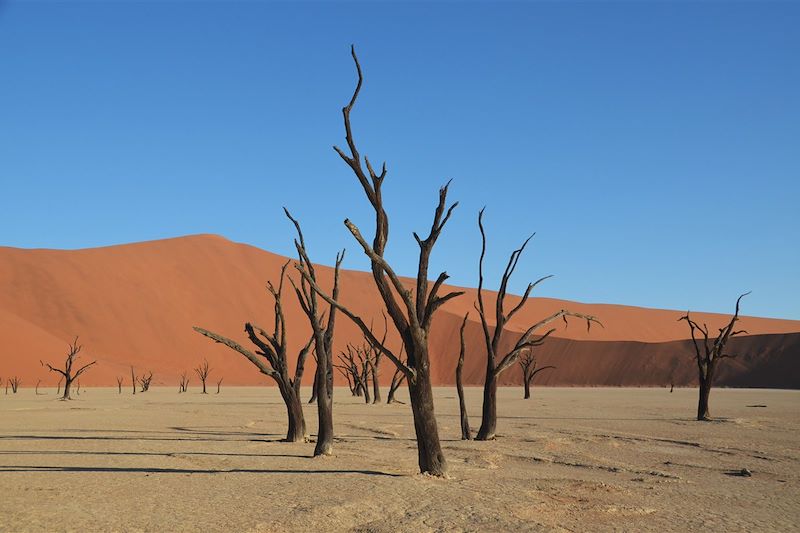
<point>70,373</point>
<point>272,347</point>
<point>528,363</point>
<point>219,384</point>
<point>144,382</point>
<point>411,315</point>
<point>709,356</point>
<point>184,383</point>
<point>15,383</point>
<point>323,330</point>
<point>315,385</point>
<point>133,380</point>
<point>119,384</point>
<point>501,318</point>
<point>202,371</point>
<point>397,380</point>
<point>466,433</point>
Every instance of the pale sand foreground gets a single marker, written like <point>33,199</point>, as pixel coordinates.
<point>567,460</point>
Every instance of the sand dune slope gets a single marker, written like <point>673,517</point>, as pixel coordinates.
<point>135,305</point>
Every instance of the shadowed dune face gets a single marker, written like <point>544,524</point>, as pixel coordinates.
<point>135,305</point>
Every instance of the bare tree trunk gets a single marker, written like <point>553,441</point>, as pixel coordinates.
<point>702,403</point>
<point>294,413</point>
<point>397,380</point>
<point>376,387</point>
<point>324,395</point>
<point>58,390</point>
<point>67,387</point>
<point>527,382</point>
<point>429,452</point>
<point>133,380</point>
<point>466,433</point>
<point>314,388</point>
<point>489,412</point>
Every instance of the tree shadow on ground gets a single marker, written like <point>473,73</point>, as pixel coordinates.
<point>152,470</point>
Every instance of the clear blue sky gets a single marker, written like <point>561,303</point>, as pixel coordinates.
<point>653,147</point>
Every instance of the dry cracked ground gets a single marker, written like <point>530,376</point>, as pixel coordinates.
<point>569,459</point>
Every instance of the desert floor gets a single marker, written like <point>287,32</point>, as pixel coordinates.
<point>566,460</point>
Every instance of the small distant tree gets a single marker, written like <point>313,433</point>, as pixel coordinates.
<point>69,373</point>
<point>184,383</point>
<point>37,387</point>
<point>528,363</point>
<point>202,372</point>
<point>709,354</point>
<point>219,383</point>
<point>119,384</point>
<point>466,433</point>
<point>350,369</point>
<point>133,380</point>
<point>78,387</point>
<point>15,382</point>
<point>492,338</point>
<point>144,382</point>
<point>397,380</point>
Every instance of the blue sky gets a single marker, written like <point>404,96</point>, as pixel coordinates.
<point>653,147</point>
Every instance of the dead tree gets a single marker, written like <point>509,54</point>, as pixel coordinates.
<point>202,371</point>
<point>466,433</point>
<point>397,380</point>
<point>712,351</point>
<point>58,389</point>
<point>133,380</point>
<point>363,354</point>
<point>184,383</point>
<point>69,373</point>
<point>410,311</point>
<point>271,359</point>
<point>501,318</point>
<point>37,387</point>
<point>219,384</point>
<point>144,382</point>
<point>528,363</point>
<point>78,387</point>
<point>349,367</point>
<point>15,383</point>
<point>314,386</point>
<point>323,330</point>
<point>119,384</point>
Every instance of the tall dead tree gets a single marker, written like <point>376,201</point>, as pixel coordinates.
<point>202,371</point>
<point>323,329</point>
<point>410,311</point>
<point>70,373</point>
<point>119,384</point>
<point>15,383</point>
<point>528,363</point>
<point>133,380</point>
<point>709,354</point>
<point>466,433</point>
<point>271,358</point>
<point>219,384</point>
<point>492,338</point>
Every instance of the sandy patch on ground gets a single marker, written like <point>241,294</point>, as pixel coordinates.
<point>567,460</point>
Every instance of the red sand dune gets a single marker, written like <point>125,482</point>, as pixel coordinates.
<point>135,305</point>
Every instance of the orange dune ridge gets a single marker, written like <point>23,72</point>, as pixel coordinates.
<point>135,304</point>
